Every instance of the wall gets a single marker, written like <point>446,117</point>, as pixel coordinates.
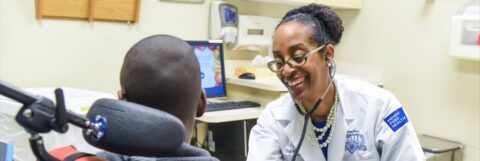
<point>409,39</point>
<point>80,54</point>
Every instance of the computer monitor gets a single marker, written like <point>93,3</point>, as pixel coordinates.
<point>212,73</point>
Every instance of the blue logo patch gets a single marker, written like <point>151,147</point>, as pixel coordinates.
<point>355,141</point>
<point>289,150</point>
<point>396,119</point>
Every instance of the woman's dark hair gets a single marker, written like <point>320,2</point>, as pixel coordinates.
<point>324,23</point>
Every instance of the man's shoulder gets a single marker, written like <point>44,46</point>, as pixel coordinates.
<point>110,156</point>
<point>183,153</point>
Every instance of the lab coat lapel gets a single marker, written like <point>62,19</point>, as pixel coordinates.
<point>294,131</point>
<point>336,149</point>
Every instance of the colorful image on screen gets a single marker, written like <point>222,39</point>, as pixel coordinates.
<point>210,57</point>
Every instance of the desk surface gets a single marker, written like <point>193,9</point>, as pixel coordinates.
<point>76,100</point>
<point>231,115</point>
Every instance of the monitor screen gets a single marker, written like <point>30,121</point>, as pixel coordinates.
<point>210,58</point>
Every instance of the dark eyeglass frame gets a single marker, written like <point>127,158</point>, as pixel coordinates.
<point>293,61</point>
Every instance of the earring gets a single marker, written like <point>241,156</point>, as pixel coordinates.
<point>332,67</point>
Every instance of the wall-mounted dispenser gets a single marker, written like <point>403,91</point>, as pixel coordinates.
<point>223,22</point>
<point>255,32</point>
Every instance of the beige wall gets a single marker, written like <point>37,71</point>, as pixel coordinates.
<point>407,38</point>
<point>410,39</point>
<point>79,54</point>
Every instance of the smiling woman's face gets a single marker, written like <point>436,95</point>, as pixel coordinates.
<point>305,82</point>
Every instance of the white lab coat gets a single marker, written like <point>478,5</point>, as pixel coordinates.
<point>362,110</point>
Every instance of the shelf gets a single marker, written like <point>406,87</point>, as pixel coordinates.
<point>437,145</point>
<point>265,83</point>
<point>342,4</point>
<point>230,115</point>
<point>337,4</point>
<point>273,84</point>
<point>468,52</point>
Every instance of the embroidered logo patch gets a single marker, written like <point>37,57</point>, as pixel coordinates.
<point>396,119</point>
<point>355,141</point>
<point>289,150</point>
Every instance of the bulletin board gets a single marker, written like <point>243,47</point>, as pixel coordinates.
<point>110,10</point>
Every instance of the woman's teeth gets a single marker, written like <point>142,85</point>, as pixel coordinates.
<point>295,82</point>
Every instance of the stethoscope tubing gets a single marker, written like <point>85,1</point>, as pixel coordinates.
<point>332,71</point>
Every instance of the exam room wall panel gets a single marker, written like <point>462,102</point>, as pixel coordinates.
<point>409,39</point>
<point>82,54</point>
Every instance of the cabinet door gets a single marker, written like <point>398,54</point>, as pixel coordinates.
<point>63,8</point>
<point>120,10</point>
<point>116,10</point>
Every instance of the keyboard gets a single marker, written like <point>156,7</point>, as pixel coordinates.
<point>219,106</point>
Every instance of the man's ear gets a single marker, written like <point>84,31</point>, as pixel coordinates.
<point>202,103</point>
<point>121,95</point>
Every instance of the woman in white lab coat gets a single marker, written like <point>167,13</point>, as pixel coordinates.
<point>347,119</point>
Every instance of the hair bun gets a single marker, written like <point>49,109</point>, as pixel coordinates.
<point>324,15</point>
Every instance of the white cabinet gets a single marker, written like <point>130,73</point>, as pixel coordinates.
<point>465,37</point>
<point>337,4</point>
<point>465,32</point>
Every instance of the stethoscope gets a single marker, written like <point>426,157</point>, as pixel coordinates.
<point>331,69</point>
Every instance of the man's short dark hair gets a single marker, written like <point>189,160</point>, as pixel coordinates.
<point>162,72</point>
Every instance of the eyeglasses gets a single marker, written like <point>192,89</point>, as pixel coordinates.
<point>293,62</point>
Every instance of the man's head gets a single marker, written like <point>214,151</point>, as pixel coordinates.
<point>162,72</point>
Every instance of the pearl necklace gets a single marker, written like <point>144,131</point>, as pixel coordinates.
<point>331,122</point>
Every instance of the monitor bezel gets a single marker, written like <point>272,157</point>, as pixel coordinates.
<point>222,62</point>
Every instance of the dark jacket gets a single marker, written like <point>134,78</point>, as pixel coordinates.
<point>184,153</point>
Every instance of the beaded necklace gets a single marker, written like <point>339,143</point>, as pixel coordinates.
<point>331,122</point>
